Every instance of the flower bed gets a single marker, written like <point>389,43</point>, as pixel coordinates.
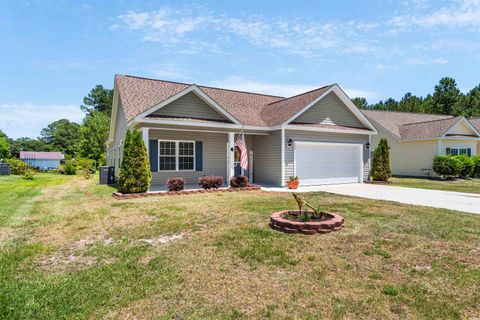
<point>287,221</point>
<point>120,196</point>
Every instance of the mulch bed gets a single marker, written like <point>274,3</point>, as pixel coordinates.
<point>123,196</point>
<point>278,221</point>
<point>377,182</point>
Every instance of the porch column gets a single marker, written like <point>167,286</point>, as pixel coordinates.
<point>230,156</point>
<point>145,138</point>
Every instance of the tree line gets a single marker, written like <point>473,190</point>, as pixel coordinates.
<point>86,140</point>
<point>446,99</point>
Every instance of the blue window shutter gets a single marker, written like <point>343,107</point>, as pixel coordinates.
<point>469,152</point>
<point>153,157</point>
<point>198,156</point>
<point>448,151</point>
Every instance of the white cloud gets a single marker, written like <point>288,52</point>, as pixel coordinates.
<point>28,119</point>
<point>309,38</point>
<point>278,89</point>
<point>424,61</point>
<point>463,13</point>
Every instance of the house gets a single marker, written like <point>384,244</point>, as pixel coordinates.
<point>190,131</point>
<point>415,139</point>
<point>476,123</point>
<point>42,160</point>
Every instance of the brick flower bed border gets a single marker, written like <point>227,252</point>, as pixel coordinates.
<point>278,222</point>
<point>122,196</point>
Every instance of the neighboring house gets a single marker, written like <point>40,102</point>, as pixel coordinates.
<point>476,124</point>
<point>42,160</point>
<point>190,131</point>
<point>415,139</point>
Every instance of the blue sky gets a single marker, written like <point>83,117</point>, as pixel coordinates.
<point>53,52</point>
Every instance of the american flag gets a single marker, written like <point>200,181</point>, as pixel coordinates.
<point>240,144</point>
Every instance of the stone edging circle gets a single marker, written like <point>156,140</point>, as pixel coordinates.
<point>278,222</point>
<point>122,196</point>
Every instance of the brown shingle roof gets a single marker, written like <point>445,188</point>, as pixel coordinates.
<point>278,112</point>
<point>410,126</point>
<point>140,94</point>
<point>476,123</point>
<point>427,129</point>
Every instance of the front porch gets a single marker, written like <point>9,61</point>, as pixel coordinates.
<point>191,153</point>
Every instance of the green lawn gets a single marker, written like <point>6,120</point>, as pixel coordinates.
<point>469,185</point>
<point>69,250</point>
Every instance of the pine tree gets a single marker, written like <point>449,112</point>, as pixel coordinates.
<point>135,175</point>
<point>381,162</point>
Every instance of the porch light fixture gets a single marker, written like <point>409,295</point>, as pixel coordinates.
<point>367,145</point>
<point>290,143</point>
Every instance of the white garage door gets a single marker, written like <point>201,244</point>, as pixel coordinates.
<point>328,163</point>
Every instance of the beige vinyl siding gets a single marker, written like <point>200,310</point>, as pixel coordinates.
<point>408,158</point>
<point>214,155</point>
<point>267,153</point>
<point>190,106</point>
<point>116,148</point>
<point>330,110</point>
<point>461,128</point>
<point>311,136</point>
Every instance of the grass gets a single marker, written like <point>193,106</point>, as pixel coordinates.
<point>468,185</point>
<point>69,250</point>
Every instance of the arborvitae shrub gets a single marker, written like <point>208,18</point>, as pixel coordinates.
<point>135,175</point>
<point>381,162</point>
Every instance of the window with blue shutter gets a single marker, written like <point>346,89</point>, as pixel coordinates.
<point>469,152</point>
<point>153,155</point>
<point>198,156</point>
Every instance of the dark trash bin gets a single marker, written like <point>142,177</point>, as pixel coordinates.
<point>107,175</point>
<point>4,169</point>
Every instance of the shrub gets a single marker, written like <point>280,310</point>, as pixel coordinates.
<point>381,162</point>
<point>16,166</point>
<point>476,172</point>
<point>85,164</point>
<point>175,184</point>
<point>239,182</point>
<point>69,167</point>
<point>61,169</point>
<point>135,175</point>
<point>447,166</point>
<point>210,182</point>
<point>468,164</point>
<point>29,174</point>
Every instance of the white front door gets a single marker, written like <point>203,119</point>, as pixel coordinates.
<point>318,163</point>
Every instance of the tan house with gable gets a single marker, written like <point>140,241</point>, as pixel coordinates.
<point>415,139</point>
<point>190,131</point>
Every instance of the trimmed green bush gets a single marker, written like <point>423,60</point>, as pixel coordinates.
<point>447,166</point>
<point>29,174</point>
<point>69,167</point>
<point>381,162</point>
<point>135,175</point>
<point>17,166</point>
<point>468,164</point>
<point>476,171</point>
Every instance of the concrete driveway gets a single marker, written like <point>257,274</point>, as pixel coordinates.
<point>459,201</point>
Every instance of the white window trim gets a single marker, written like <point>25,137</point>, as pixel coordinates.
<point>177,155</point>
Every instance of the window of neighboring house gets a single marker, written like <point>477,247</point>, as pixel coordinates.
<point>176,155</point>
<point>458,151</point>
